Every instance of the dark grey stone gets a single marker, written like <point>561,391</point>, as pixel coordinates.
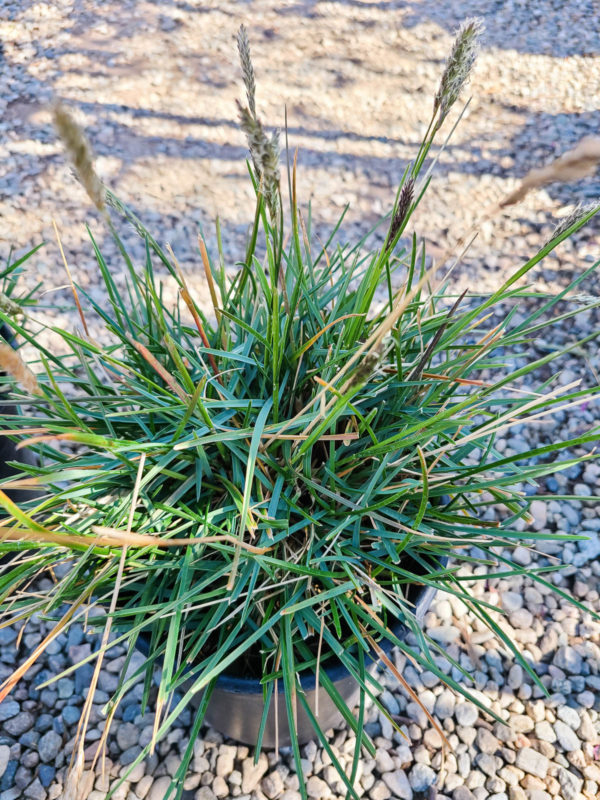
<point>46,774</point>
<point>16,726</point>
<point>49,745</point>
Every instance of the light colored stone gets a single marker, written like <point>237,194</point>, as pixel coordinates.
<point>567,738</point>
<point>143,787</point>
<point>4,758</point>
<point>511,601</point>
<point>486,741</point>
<point>570,784</point>
<point>466,714</point>
<point>252,773</point>
<point>445,634</point>
<point>317,788</point>
<point>219,787</point>
<point>398,784</point>
<point>568,659</point>
<point>159,788</point>
<point>532,762</point>
<point>545,732</point>
<point>205,793</point>
<point>521,556</point>
<point>225,760</point>
<point>379,791</point>
<point>421,777</point>
<point>569,716</point>
<point>272,785</point>
<point>445,704</point>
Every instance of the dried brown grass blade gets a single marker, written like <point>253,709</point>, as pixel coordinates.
<point>158,367</point>
<point>409,690</point>
<point>209,277</point>
<point>187,299</point>
<point>81,731</point>
<point>68,271</point>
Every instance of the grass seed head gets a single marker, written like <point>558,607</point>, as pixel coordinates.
<point>579,212</point>
<point>264,152</point>
<point>247,68</point>
<point>404,202</point>
<point>458,66</point>
<point>80,153</point>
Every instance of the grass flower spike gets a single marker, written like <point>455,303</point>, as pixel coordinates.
<point>265,157</point>
<point>80,153</point>
<point>247,68</point>
<point>458,67</point>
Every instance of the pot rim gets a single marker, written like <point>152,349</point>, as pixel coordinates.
<point>234,684</point>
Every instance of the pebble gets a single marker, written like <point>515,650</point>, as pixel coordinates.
<point>49,745</point>
<point>159,788</point>
<point>566,736</point>
<point>398,784</point>
<point>17,725</point>
<point>462,793</point>
<point>272,785</point>
<point>8,709</point>
<point>511,601</point>
<point>444,633</point>
<point>521,556</point>
<point>545,731</point>
<point>252,773</point>
<point>421,777</point>
<point>569,715</point>
<point>466,714</point>
<point>445,704</point>
<point>486,763</point>
<point>4,758</point>
<point>379,791</point>
<point>532,762</point>
<point>128,735</point>
<point>568,659</point>
<point>486,741</point>
<point>316,787</point>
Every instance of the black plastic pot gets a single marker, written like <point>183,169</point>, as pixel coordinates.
<point>236,705</point>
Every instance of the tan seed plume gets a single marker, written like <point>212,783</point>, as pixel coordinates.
<point>571,166</point>
<point>11,362</point>
<point>80,153</point>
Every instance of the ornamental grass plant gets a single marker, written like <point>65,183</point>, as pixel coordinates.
<point>256,487</point>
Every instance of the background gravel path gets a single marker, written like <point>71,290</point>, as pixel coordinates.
<point>154,81</point>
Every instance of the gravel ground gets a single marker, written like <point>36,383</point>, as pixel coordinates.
<point>155,84</point>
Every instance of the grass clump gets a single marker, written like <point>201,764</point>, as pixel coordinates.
<point>256,490</point>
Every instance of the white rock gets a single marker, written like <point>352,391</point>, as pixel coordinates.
<point>511,601</point>
<point>567,738</point>
<point>398,784</point>
<point>444,633</point>
<point>568,715</point>
<point>421,777</point>
<point>522,556</point>
<point>466,714</point>
<point>159,788</point>
<point>529,760</point>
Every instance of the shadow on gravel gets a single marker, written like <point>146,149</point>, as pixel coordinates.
<point>540,27</point>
